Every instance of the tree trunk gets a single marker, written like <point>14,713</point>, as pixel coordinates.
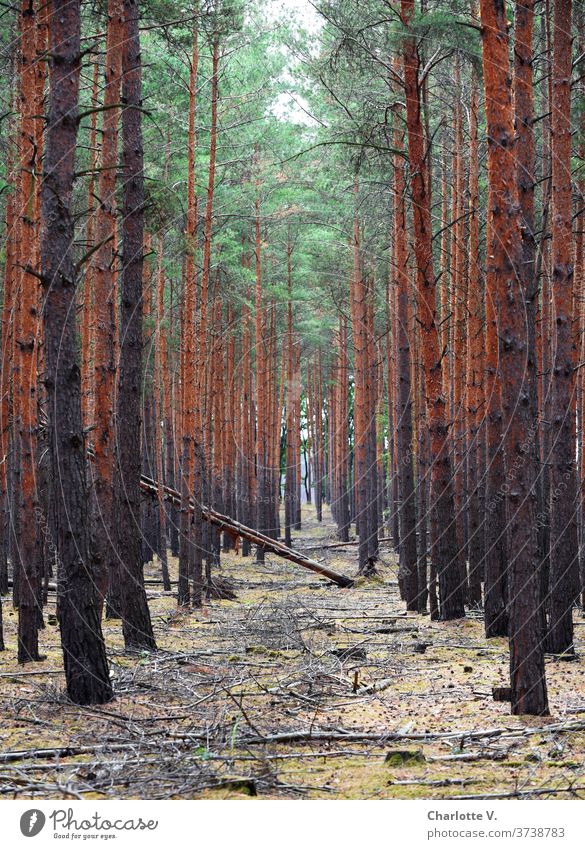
<point>359,332</point>
<point>136,624</point>
<point>459,295</point>
<point>86,667</point>
<point>149,514</point>
<point>563,581</point>
<point>343,505</point>
<point>495,532</point>
<point>28,550</point>
<point>504,283</point>
<point>190,525</point>
<point>405,454</point>
<point>290,474</point>
<point>229,413</point>
<point>205,279</point>
<point>319,468</point>
<point>444,553</point>
<point>474,372</point>
<point>160,365</point>
<point>526,178</point>
<point>6,363</point>
<point>247,465</point>
<point>87,321</point>
<point>105,304</point>
<point>261,388</point>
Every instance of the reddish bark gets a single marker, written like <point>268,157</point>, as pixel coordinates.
<point>6,364</point>
<point>459,295</point>
<point>216,409</point>
<point>290,474</point>
<point>371,424</point>
<point>27,550</point>
<point>160,410</point>
<point>392,435</point>
<point>563,583</point>
<point>297,431</point>
<point>261,388</point>
<point>475,408</point>
<point>444,268</point>
<point>504,283</point>
<point>318,449</point>
<point>230,419</point>
<point>190,526</point>
<point>360,405</point>
<point>246,446</point>
<point>404,433</point>
<point>105,305</point>
<point>87,400</point>
<point>579,288</point>
<point>202,413</point>
<point>444,552</point>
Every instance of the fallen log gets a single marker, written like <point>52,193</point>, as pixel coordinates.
<point>526,794</point>
<point>51,586</point>
<point>236,529</point>
<point>340,544</point>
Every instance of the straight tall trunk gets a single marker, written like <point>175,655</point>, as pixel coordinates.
<point>474,371</point>
<point>5,375</point>
<point>247,446</point>
<point>28,550</point>
<point>229,413</point>
<point>86,666</point>
<point>579,288</point>
<point>444,552</point>
<point>87,327</point>
<point>160,364</point>
<point>405,454</point>
<point>372,439</point>
<point>459,315</point>
<point>190,523</point>
<point>290,474</point>
<point>504,283</point>
<point>105,305</point>
<point>359,333</point>
<point>203,416</point>
<point>526,178</point>
<point>319,470</point>
<point>136,623</point>
<point>563,580</point>
<point>343,508</point>
<point>261,390</point>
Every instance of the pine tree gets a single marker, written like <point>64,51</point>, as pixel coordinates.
<point>505,285</point>
<point>86,667</point>
<point>136,624</point>
<point>444,551</point>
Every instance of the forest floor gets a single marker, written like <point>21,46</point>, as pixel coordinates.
<point>298,689</point>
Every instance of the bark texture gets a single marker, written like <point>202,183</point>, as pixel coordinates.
<point>136,624</point>
<point>86,667</point>
<point>505,285</point>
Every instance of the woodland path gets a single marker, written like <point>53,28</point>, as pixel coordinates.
<point>200,717</point>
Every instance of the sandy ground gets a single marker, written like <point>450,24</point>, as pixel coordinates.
<point>298,689</point>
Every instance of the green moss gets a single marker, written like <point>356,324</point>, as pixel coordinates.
<point>404,757</point>
<point>263,650</point>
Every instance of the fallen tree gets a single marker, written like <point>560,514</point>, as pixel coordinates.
<point>236,529</point>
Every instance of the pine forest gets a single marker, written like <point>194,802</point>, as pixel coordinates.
<point>292,327</point>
